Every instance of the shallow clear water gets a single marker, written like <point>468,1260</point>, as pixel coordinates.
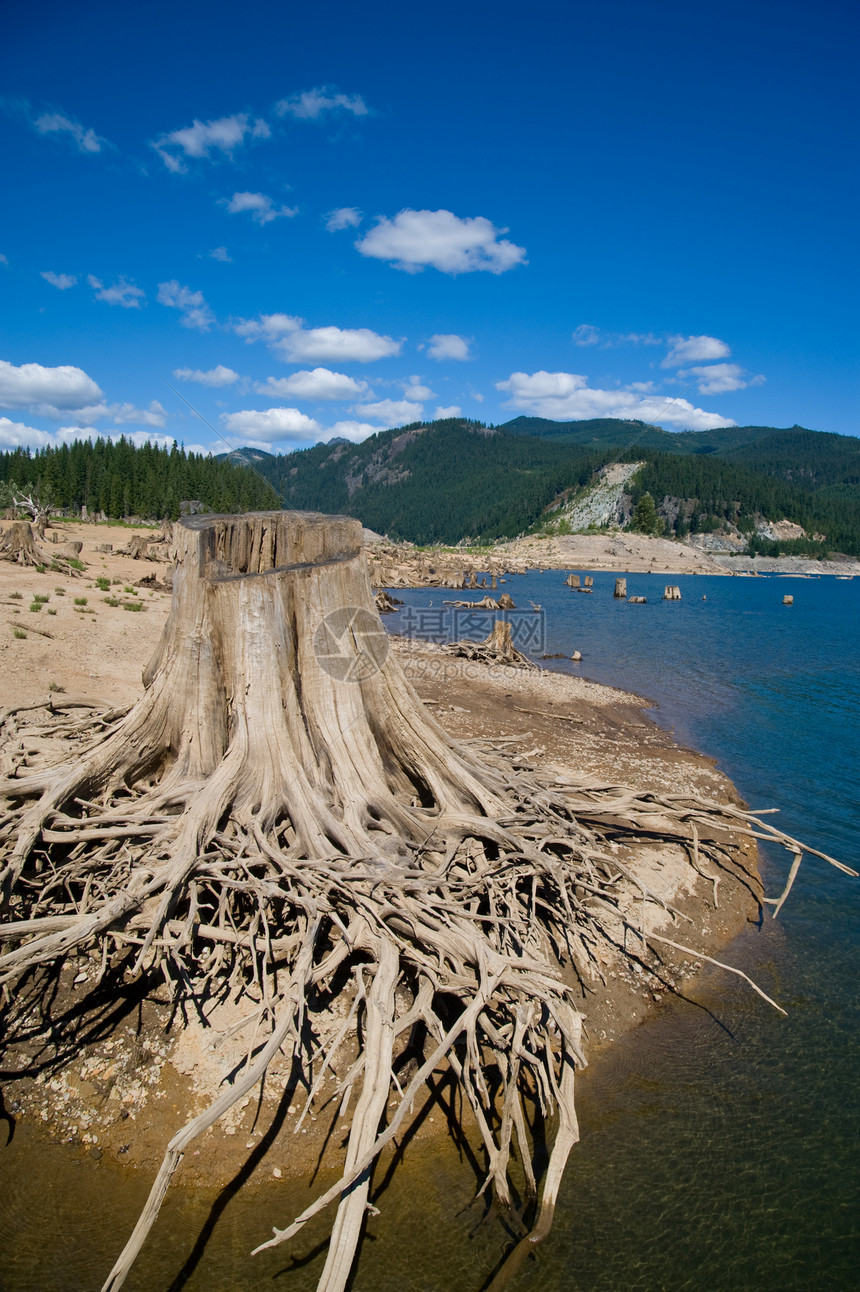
<point>720,1142</point>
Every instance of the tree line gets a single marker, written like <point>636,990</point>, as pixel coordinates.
<point>120,479</point>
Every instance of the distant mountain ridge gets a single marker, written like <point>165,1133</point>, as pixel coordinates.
<point>445,481</point>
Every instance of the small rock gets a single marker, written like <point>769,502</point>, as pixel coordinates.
<point>276,1172</point>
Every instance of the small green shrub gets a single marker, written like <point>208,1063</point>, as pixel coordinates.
<point>132,605</point>
<point>51,611</point>
<point>80,601</point>
<point>36,607</point>
<point>75,563</point>
<point>127,589</point>
<point>103,583</point>
<point>111,601</point>
<point>19,633</point>
<point>15,596</point>
<point>56,688</point>
<point>42,596</point>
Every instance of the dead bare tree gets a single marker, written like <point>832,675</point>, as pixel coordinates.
<point>279,807</point>
<point>36,503</point>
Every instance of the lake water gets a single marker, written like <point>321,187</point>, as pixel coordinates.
<point>721,1142</point>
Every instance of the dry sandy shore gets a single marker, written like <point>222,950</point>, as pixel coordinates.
<point>634,553</point>
<point>133,1083</point>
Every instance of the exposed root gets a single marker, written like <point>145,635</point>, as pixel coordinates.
<point>253,822</point>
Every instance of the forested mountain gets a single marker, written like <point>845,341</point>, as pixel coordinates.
<point>434,484</point>
<point>455,479</point>
<point>613,432</point>
<point>121,480</point>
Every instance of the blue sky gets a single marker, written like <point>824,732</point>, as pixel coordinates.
<point>317,221</point>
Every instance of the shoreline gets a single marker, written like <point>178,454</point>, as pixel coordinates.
<point>129,1089</point>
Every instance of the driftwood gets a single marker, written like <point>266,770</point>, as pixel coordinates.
<point>279,810</point>
<point>487,603</point>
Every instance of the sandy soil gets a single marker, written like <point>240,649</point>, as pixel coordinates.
<point>94,650</point>
<point>136,1075</point>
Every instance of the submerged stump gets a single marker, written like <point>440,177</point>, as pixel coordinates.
<point>280,810</point>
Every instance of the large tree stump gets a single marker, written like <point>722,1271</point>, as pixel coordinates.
<point>19,545</point>
<point>279,809</point>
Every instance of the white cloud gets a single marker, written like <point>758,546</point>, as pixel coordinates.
<point>15,435</point>
<point>154,415</point>
<point>287,337</point>
<point>222,254</point>
<point>453,410</point>
<point>311,104</point>
<point>447,345</point>
<point>692,349</point>
<point>585,334</point>
<point>355,431</point>
<point>205,137</point>
<point>316,384</point>
<point>4,260</point>
<point>120,293</point>
<point>343,345</point>
<point>261,207</point>
<point>62,281</point>
<point>413,389</point>
<point>392,412</point>
<point>270,425</point>
<point>414,239</point>
<point>56,123</point>
<point>268,327</point>
<point>566,396</point>
<point>216,377</point>
<point>720,378</point>
<point>345,217</point>
<point>46,389</point>
<point>195,312</point>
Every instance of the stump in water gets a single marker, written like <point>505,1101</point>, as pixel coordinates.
<point>280,811</point>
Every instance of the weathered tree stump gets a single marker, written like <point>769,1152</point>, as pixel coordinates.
<point>672,592</point>
<point>137,547</point>
<point>572,581</point>
<point>18,544</point>
<point>620,588</point>
<point>279,810</point>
